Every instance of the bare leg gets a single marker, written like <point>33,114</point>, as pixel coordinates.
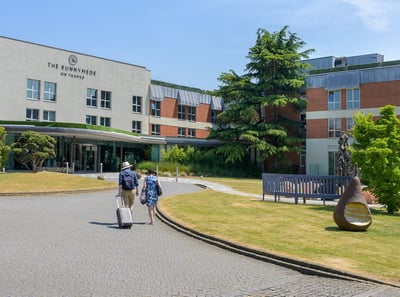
<point>152,214</point>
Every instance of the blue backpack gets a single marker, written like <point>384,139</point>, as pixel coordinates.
<point>128,180</point>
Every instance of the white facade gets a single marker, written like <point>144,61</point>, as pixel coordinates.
<point>72,74</point>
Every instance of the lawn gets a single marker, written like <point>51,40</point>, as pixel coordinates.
<point>305,232</point>
<point>42,182</point>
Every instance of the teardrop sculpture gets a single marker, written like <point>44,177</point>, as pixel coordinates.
<point>352,212</point>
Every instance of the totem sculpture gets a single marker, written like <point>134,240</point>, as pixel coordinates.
<point>343,164</point>
<point>352,212</point>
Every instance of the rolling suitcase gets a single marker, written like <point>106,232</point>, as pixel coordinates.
<point>124,215</point>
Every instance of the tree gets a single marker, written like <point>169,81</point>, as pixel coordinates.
<point>376,151</point>
<point>4,149</point>
<point>273,79</point>
<point>33,148</point>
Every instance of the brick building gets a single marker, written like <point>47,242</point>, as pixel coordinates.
<point>337,89</point>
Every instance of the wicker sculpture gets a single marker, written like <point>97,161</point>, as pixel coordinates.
<point>352,212</point>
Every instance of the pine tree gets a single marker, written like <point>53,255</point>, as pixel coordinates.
<point>273,80</point>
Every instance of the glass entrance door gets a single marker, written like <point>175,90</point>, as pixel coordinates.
<point>85,157</point>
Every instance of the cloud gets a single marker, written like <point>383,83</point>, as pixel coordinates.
<point>374,13</point>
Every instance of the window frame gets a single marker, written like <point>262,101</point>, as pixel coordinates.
<point>91,117</point>
<point>332,163</point>
<point>91,100</point>
<point>181,112</point>
<point>31,91</point>
<point>352,102</point>
<point>191,133</point>
<point>181,132</point>
<point>47,117</point>
<point>334,127</point>
<point>155,129</point>
<point>137,127</point>
<point>191,113</point>
<point>214,116</point>
<point>105,99</point>
<point>137,104</point>
<point>32,112</point>
<point>155,108</point>
<point>49,95</point>
<point>105,122</point>
<point>349,124</point>
<point>334,100</point>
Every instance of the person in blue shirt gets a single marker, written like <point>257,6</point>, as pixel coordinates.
<point>127,184</point>
<point>149,186</point>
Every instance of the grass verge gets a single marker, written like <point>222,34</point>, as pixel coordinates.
<point>42,182</point>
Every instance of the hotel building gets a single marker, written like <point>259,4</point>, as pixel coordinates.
<point>337,89</point>
<point>68,95</point>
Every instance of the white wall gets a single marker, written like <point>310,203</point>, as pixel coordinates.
<point>21,60</point>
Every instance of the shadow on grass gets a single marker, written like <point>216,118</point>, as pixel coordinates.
<point>331,208</point>
<point>333,229</point>
<point>337,229</point>
<point>374,211</point>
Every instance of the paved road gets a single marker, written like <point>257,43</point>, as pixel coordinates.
<point>69,245</point>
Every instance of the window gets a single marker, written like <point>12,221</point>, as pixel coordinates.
<point>214,114</point>
<point>334,128</point>
<point>105,99</point>
<point>191,113</point>
<point>353,99</point>
<point>136,127</point>
<point>334,100</point>
<point>32,89</point>
<point>155,129</point>
<point>137,104</point>
<point>91,120</point>
<point>155,108</point>
<point>181,132</point>
<point>91,97</point>
<point>49,92</point>
<point>349,124</point>
<point>332,163</point>
<point>49,116</point>
<point>105,122</point>
<point>32,114</point>
<point>181,112</point>
<point>191,132</point>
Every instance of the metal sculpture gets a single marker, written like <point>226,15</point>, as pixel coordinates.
<point>352,212</point>
<point>343,164</point>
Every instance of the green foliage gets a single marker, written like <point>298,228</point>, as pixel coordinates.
<point>33,148</point>
<point>273,80</point>
<point>4,149</point>
<point>376,151</point>
<point>178,154</point>
<point>70,125</point>
<point>201,161</point>
<point>163,167</point>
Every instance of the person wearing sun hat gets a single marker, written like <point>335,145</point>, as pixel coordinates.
<point>127,183</point>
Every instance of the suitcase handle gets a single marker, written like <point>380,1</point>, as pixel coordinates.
<point>118,198</point>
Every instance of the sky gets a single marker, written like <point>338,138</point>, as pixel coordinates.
<point>192,42</point>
